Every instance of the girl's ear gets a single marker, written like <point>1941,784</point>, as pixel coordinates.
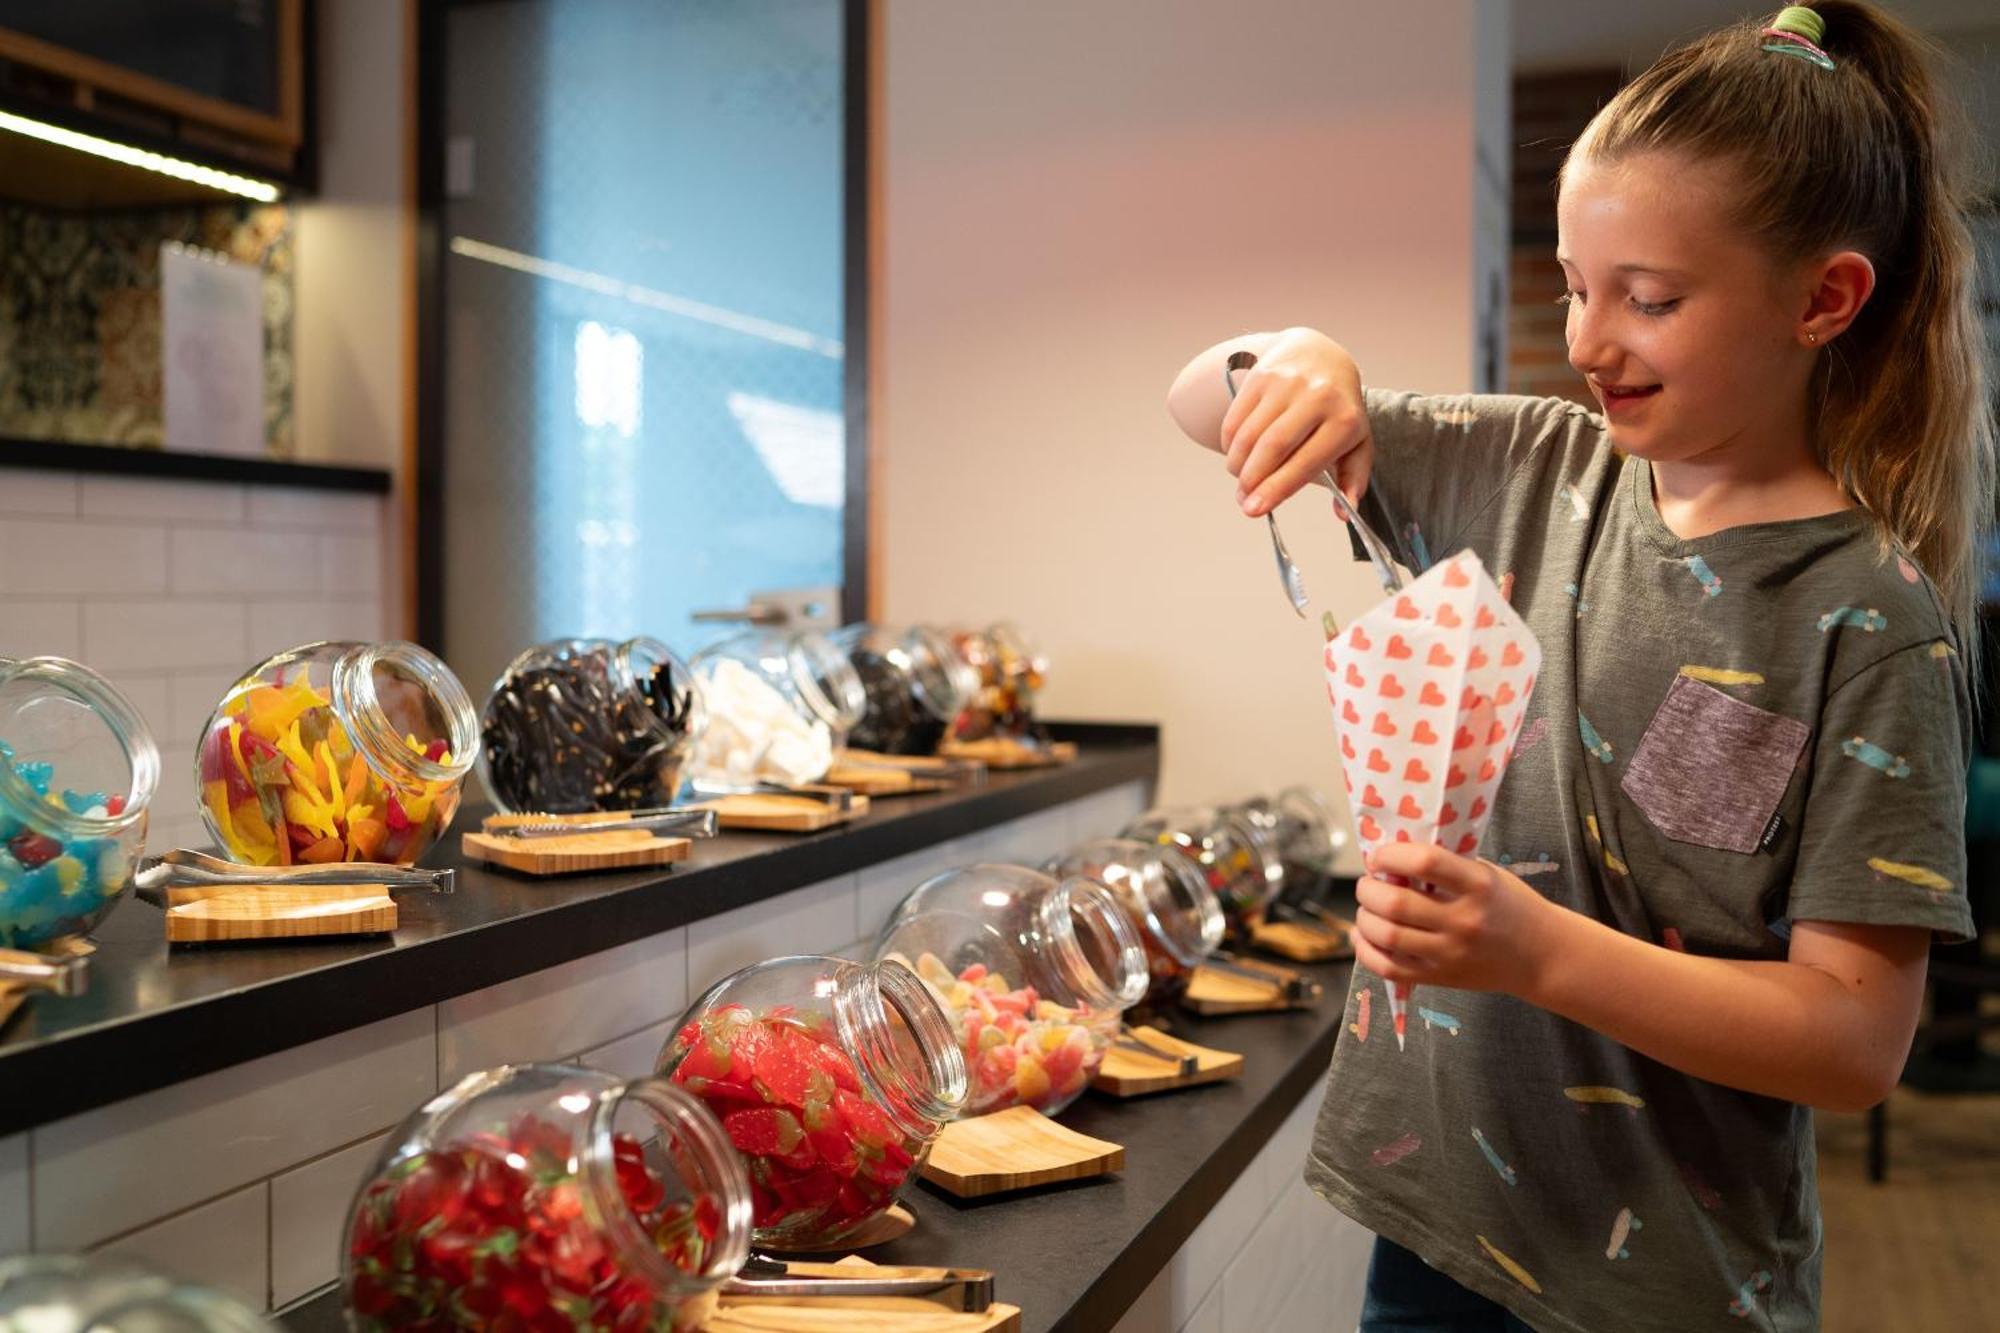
<point>1840,285</point>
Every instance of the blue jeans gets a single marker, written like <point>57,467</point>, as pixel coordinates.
<point>1407,1295</point>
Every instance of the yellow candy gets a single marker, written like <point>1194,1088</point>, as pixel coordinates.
<point>69,874</point>
<point>1031,1082</point>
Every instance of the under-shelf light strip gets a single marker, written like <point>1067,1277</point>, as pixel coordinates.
<point>262,191</point>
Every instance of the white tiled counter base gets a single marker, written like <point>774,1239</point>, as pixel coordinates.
<point>241,1178</point>
<point>1271,1257</point>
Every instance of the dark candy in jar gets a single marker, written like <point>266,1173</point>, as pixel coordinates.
<point>566,731</point>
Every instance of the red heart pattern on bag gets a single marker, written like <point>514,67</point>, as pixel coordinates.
<point>1429,690</point>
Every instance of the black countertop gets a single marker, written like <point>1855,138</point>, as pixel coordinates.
<point>155,1016</point>
<point>1075,1258</point>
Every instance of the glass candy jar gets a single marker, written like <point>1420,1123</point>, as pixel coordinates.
<point>78,768</point>
<point>830,1077</point>
<point>102,1293</point>
<point>1301,830</point>
<point>1010,671</point>
<point>578,725</point>
<point>1234,854</point>
<point>1035,972</point>
<point>778,703</point>
<point>337,752</point>
<point>548,1196</point>
<point>913,682</point>
<point>1165,898</point>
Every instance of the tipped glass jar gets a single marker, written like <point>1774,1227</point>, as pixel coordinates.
<point>78,768</point>
<point>337,752</point>
<point>1304,836</point>
<point>102,1293</point>
<point>779,702</point>
<point>1165,898</point>
<point>913,683</point>
<point>1234,855</point>
<point>1010,671</point>
<point>831,1078</point>
<point>1035,972</point>
<point>579,725</point>
<point>548,1196</point>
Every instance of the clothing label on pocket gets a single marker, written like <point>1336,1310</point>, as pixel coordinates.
<point>1711,769</point>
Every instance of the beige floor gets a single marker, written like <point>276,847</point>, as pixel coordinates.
<point>1920,1253</point>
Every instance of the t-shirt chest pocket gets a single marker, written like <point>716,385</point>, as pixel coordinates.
<point>1711,769</point>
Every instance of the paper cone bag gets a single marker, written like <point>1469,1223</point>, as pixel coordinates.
<point>1429,690</point>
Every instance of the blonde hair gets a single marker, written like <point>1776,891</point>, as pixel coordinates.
<point>1863,157</point>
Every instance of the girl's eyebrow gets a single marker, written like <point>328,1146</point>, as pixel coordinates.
<point>1654,269</point>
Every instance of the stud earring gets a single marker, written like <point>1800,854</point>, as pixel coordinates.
<point>1812,338</point>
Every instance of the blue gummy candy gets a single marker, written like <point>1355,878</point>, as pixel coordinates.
<point>37,775</point>
<point>80,803</point>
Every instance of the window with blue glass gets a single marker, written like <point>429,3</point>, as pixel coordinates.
<point>641,315</point>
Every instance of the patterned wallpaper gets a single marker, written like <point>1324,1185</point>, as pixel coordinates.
<point>80,317</point>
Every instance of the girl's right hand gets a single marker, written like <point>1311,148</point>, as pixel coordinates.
<point>1298,412</point>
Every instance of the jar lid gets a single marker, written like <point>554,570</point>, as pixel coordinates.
<point>942,682</point>
<point>91,738</point>
<point>1178,908</point>
<point>826,680</point>
<point>407,711</point>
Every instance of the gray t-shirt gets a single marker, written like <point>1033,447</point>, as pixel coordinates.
<point>1765,725</point>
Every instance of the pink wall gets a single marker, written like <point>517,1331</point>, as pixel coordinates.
<point>1074,199</point>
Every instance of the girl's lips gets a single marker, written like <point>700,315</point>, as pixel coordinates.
<point>1619,398</point>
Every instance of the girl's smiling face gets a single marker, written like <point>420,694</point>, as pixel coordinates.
<point>1685,329</point>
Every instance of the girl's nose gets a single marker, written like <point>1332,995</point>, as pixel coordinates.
<point>1590,350</point>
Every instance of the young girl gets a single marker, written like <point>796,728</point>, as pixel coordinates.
<point>1734,820</point>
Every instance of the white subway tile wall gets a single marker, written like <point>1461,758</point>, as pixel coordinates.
<point>816,919</point>
<point>242,1177</point>
<point>308,1206</point>
<point>173,588</point>
<point>31,491</point>
<point>633,1056</point>
<point>225,1244</point>
<point>555,1013</point>
<point>14,1227</point>
<point>106,1171</point>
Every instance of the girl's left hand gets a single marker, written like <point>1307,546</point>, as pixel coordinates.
<point>1482,929</point>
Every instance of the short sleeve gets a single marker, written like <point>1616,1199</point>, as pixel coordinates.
<point>1882,835</point>
<point>1441,460</point>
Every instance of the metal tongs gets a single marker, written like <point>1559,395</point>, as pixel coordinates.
<point>1372,545</point>
<point>834,798</point>
<point>55,973</point>
<point>1292,987</point>
<point>965,1290</point>
<point>689,822</point>
<point>1129,1041</point>
<point>182,867</point>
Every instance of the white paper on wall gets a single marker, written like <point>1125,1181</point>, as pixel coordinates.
<point>212,352</point>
